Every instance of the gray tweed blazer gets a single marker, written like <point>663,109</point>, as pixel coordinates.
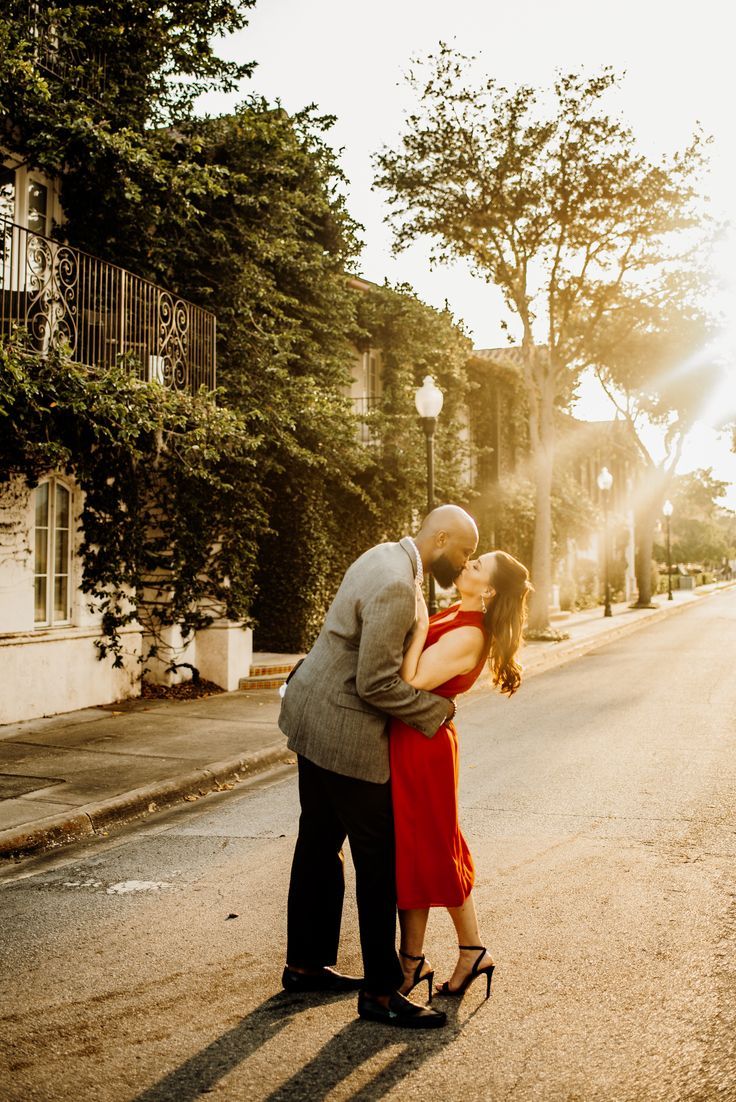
<point>336,706</point>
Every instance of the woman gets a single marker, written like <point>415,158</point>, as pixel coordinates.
<point>434,867</point>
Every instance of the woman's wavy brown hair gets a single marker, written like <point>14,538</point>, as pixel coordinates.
<point>504,621</point>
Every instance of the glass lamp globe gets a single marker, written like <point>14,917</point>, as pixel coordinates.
<point>428,398</point>
<point>605,479</point>
<point>667,508</point>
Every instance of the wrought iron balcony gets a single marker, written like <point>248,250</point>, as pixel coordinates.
<point>102,313</point>
<point>57,55</point>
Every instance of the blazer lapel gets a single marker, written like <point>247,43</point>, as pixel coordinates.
<point>404,543</point>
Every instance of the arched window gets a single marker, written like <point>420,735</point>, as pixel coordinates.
<point>52,553</point>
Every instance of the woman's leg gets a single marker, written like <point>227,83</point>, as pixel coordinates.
<point>465,921</point>
<point>413,925</point>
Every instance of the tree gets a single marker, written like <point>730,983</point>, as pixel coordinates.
<point>697,494</point>
<point>654,363</point>
<point>268,251</point>
<point>509,506</point>
<point>96,93</point>
<point>702,530</point>
<point>556,207</point>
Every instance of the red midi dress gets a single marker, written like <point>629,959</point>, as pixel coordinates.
<point>434,867</point>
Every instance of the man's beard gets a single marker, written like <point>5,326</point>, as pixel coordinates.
<point>445,572</point>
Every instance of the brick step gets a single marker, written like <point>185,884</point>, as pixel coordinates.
<point>268,671</point>
<point>261,682</point>
<point>271,671</point>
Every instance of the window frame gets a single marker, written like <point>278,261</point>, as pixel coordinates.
<point>11,170</point>
<point>51,574</point>
<point>26,179</point>
<point>36,213</point>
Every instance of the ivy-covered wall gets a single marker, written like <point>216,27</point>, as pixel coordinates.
<point>172,503</point>
<point>322,521</point>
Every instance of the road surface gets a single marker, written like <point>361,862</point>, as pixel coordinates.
<point>600,805</point>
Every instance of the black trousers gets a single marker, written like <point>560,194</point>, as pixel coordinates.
<point>334,807</point>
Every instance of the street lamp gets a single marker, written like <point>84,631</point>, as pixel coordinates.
<point>428,399</point>
<point>667,510</point>
<point>605,481</point>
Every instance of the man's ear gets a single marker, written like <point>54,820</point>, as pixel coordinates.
<point>440,539</point>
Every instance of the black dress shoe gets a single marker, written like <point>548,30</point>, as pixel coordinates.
<point>326,980</point>
<point>400,1012</point>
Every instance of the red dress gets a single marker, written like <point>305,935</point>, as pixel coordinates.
<point>434,867</point>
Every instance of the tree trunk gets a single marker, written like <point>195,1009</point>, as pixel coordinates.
<point>650,503</point>
<point>543,456</point>
<point>644,542</point>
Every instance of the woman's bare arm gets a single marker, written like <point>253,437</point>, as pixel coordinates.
<point>455,652</point>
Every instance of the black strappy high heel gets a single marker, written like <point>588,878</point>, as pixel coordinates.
<point>418,977</point>
<point>445,989</point>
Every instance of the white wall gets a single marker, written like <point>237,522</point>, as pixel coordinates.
<point>46,670</point>
<point>222,653</point>
<point>16,562</point>
<point>59,671</point>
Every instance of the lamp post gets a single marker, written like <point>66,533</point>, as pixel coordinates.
<point>667,510</point>
<point>605,481</point>
<point>428,399</point>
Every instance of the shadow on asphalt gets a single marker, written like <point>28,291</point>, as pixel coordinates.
<point>355,1044</point>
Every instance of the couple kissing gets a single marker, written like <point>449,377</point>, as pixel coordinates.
<point>369,713</point>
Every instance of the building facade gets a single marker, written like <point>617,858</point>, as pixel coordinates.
<point>103,315</point>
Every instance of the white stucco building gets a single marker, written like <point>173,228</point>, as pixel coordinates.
<point>48,659</point>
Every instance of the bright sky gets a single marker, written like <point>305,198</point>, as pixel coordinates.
<point>349,59</point>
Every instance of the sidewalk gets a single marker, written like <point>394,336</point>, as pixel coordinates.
<point>78,774</point>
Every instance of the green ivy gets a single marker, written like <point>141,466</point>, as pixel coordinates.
<point>415,340</point>
<point>245,215</point>
<point>324,514</point>
<point>172,509</point>
<point>107,113</point>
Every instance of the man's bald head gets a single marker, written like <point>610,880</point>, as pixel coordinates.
<point>446,540</point>
<point>452,520</point>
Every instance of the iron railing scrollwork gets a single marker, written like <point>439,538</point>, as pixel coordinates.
<point>101,313</point>
<point>60,56</point>
<point>173,325</point>
<point>53,278</point>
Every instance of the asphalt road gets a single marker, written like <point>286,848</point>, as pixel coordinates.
<point>600,806</point>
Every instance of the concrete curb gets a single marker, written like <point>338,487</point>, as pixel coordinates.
<point>56,831</point>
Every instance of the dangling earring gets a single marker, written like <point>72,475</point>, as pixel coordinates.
<point>483,605</point>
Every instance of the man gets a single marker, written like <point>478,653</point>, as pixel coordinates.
<point>334,714</point>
